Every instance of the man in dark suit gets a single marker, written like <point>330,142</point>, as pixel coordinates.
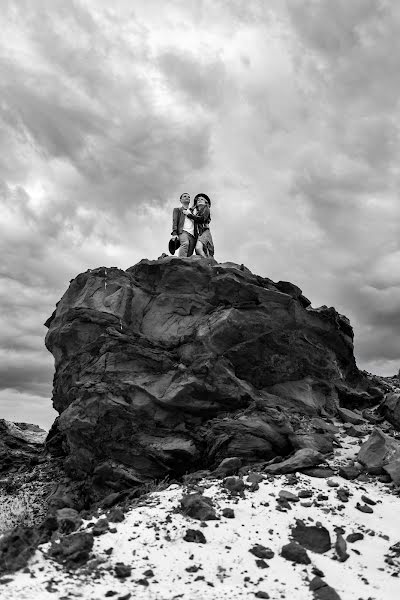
<point>183,227</point>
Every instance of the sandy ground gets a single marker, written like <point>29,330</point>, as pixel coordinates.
<point>151,537</point>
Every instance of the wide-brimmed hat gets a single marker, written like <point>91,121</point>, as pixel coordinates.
<point>173,245</point>
<point>207,199</point>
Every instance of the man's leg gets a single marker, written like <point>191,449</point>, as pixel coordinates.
<point>192,244</point>
<point>184,239</point>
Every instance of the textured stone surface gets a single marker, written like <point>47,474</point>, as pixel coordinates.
<point>176,364</point>
<point>21,444</point>
<point>378,451</point>
<point>311,537</point>
<point>390,409</point>
<point>306,457</point>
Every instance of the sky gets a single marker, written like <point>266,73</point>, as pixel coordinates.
<point>285,112</point>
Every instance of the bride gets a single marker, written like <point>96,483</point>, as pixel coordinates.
<point>201,215</point>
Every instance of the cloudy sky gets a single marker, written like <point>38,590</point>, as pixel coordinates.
<point>285,112</point>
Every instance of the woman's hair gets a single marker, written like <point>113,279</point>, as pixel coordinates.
<point>206,198</point>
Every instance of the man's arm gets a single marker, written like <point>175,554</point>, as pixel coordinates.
<point>202,216</point>
<point>175,220</point>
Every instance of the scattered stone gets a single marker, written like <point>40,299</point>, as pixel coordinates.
<point>235,485</point>
<point>261,551</point>
<point>261,564</point>
<point>354,537</point>
<point>16,548</point>
<point>364,508</point>
<point>326,593</point>
<point>316,583</point>
<point>341,548</point>
<point>101,526</point>
<point>295,553</point>
<point>289,496</point>
<point>332,483</point>
<point>255,478</point>
<point>320,425</point>
<point>349,472</point>
<point>349,416</point>
<point>228,466</point>
<point>368,500</point>
<point>355,431</point>
<point>122,571</point>
<point>261,594</point>
<point>116,515</point>
<point>316,539</point>
<point>72,550</point>
<point>305,494</point>
<point>303,458</point>
<point>194,535</point>
<point>228,513</point>
<point>319,472</point>
<point>68,520</point>
<point>198,507</point>
<point>343,494</point>
<point>192,569</point>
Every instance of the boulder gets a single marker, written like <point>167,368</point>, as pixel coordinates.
<point>311,537</point>
<point>72,550</point>
<point>306,457</point>
<point>378,452</point>
<point>176,364</point>
<point>390,409</point>
<point>295,553</point>
<point>17,547</point>
<point>349,416</point>
<point>198,507</point>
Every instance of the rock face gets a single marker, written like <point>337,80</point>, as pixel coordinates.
<point>176,364</point>
<point>20,445</point>
<point>390,409</point>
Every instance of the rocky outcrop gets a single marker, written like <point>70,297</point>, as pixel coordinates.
<point>21,445</point>
<point>176,364</point>
<point>390,409</point>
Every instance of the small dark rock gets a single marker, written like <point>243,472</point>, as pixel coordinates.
<point>116,515</point>
<point>235,485</point>
<point>194,535</point>
<point>354,537</point>
<point>100,527</point>
<point>228,466</point>
<point>198,507</point>
<point>305,494</point>
<point>261,564</point>
<point>261,594</point>
<point>228,513</point>
<point>72,550</point>
<point>121,570</point>
<point>349,472</point>
<point>316,583</point>
<point>364,508</point>
<point>368,500</point>
<point>289,496</point>
<point>295,553</point>
<point>261,551</point>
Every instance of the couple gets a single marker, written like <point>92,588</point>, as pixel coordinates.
<point>191,227</point>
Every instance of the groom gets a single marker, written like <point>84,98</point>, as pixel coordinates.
<point>183,228</point>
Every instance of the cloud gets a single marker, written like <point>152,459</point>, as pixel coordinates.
<point>285,113</point>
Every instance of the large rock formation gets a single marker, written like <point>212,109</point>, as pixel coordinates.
<point>21,445</point>
<point>175,364</point>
